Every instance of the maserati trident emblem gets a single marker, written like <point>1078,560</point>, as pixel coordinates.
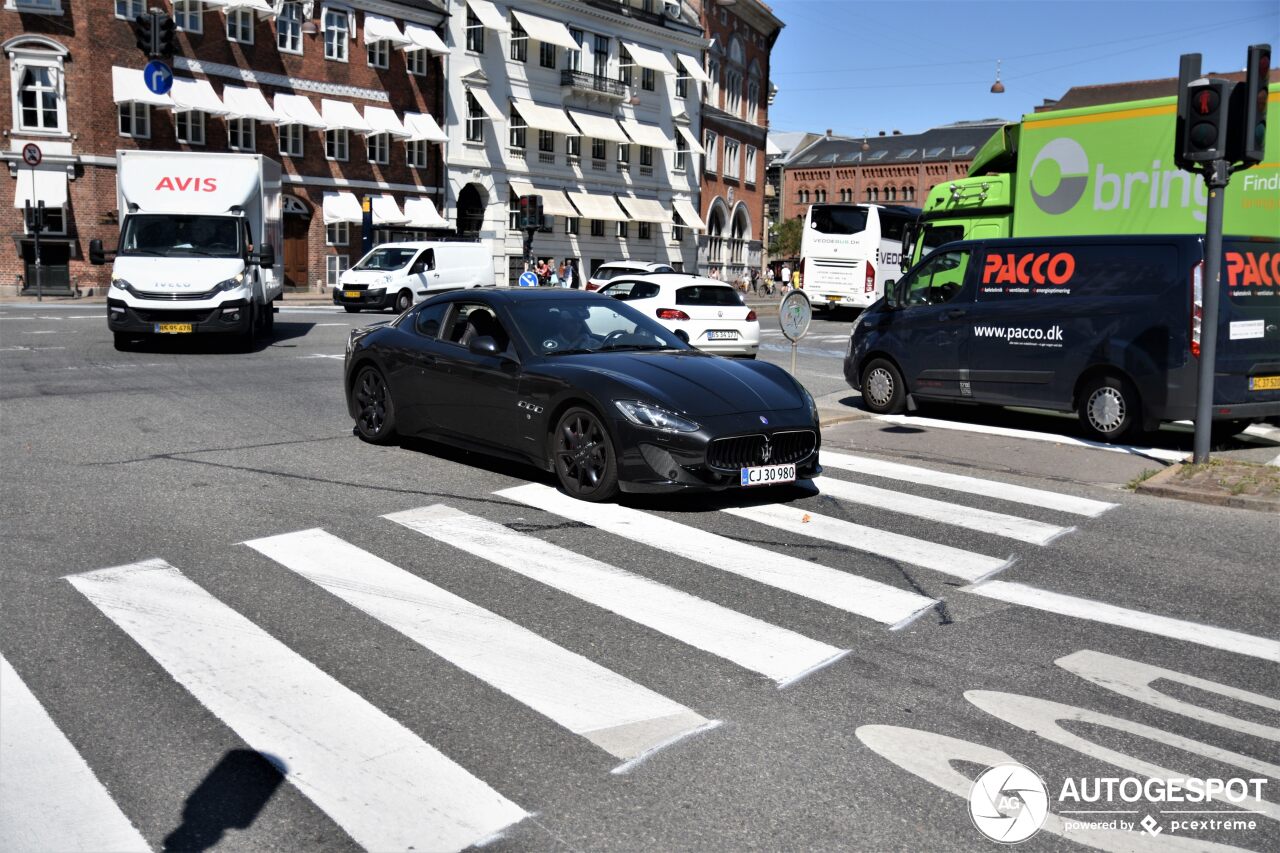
<point>764,420</point>
<point>767,453</point>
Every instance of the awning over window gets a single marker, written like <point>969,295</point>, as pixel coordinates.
<point>546,30</point>
<point>128,87</point>
<point>423,128</point>
<point>386,211</point>
<point>298,109</point>
<point>647,134</point>
<point>545,118</point>
<point>383,120</point>
<point>647,57</point>
<point>486,103</point>
<point>645,209</point>
<point>342,207</point>
<point>489,16</point>
<point>422,38</point>
<point>195,95</point>
<point>241,102</point>
<point>420,212</point>
<point>34,186</point>
<point>262,7</point>
<point>688,214</point>
<point>554,202</point>
<point>377,28</point>
<point>598,126</point>
<point>342,115</point>
<point>691,138</point>
<point>693,68</point>
<point>598,207</point>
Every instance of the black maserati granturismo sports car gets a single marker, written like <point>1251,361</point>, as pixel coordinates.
<point>581,385</point>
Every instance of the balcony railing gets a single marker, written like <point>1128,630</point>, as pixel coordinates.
<point>587,82</point>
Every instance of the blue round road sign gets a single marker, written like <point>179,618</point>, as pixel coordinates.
<point>528,279</point>
<point>158,77</point>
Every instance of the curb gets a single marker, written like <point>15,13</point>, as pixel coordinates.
<point>1159,486</point>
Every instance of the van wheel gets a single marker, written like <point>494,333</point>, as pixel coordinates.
<point>1109,408</point>
<point>404,300</point>
<point>352,309</point>
<point>1221,431</point>
<point>883,390</point>
<point>123,341</point>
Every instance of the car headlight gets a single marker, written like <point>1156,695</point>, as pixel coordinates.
<point>654,417</point>
<point>231,283</point>
<point>813,404</point>
<point>121,284</point>
<point>351,343</point>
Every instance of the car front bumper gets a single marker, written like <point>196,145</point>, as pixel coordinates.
<point>231,317</point>
<point>375,299</point>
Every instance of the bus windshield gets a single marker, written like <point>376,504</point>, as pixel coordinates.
<point>176,235</point>
<point>838,219</point>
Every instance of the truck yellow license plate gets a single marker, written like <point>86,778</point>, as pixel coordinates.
<point>174,328</point>
<point>833,298</point>
<point>351,294</point>
<point>768,475</point>
<point>1264,383</point>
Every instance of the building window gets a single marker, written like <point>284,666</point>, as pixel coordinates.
<point>732,163</point>
<point>597,228</point>
<point>647,79</point>
<point>682,153</point>
<point>379,147</point>
<point>519,131</point>
<point>600,56</point>
<point>513,211</point>
<point>644,231</point>
<point>753,100</point>
<point>129,9</point>
<point>623,228</point>
<point>40,103</point>
<point>573,147</point>
<point>732,92</point>
<point>240,134</point>
<point>598,150</point>
<point>677,229</point>
<point>189,126</point>
<point>335,144</point>
<point>624,155</point>
<point>379,54</point>
<point>416,62</point>
<point>334,267</point>
<point>240,25</point>
<point>573,58</point>
<point>475,120</point>
<point>712,94</point>
<point>547,55</point>
<point>291,140</point>
<point>188,16</point>
<point>546,141</point>
<point>475,32</point>
<point>519,42</point>
<point>625,65</point>
<point>646,156</point>
<point>749,169</point>
<point>710,144</point>
<point>682,84</point>
<point>135,120</point>
<point>820,196</point>
<point>337,29</point>
<point>289,28</point>
<point>416,153</point>
<point>571,224</point>
<point>337,233</point>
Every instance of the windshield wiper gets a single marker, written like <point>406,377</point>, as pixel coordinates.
<point>640,347</point>
<point>574,351</point>
<point>154,252</point>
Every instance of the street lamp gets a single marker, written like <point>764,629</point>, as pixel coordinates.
<point>997,88</point>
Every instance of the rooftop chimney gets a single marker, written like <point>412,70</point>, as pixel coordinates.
<point>828,131</point>
<point>882,133</point>
<point>897,133</point>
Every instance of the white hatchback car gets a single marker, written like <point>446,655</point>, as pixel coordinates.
<point>707,313</point>
<point>610,270</point>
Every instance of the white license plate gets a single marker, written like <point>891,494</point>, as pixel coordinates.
<point>722,336</point>
<point>768,475</point>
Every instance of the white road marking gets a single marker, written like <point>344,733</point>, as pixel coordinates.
<point>802,350</point>
<point>49,797</point>
<point>961,483</point>
<point>1138,620</point>
<point>376,779</point>
<point>879,601</point>
<point>338,356</point>
<point>756,645</point>
<point>998,523</point>
<point>893,546</point>
<point>47,332</point>
<point>617,715</point>
<point>321,325</point>
<point>20,348</point>
<point>1133,450</point>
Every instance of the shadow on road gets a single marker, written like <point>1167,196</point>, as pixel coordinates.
<point>230,797</point>
<point>217,344</point>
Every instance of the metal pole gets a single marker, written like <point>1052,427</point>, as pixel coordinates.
<point>39,226</point>
<point>1216,175</point>
<point>793,357</point>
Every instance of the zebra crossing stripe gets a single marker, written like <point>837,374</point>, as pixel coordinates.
<point>1137,620</point>
<point>49,798</point>
<point>617,715</point>
<point>853,594</point>
<point>961,483</point>
<point>985,521</point>
<point>772,651</point>
<point>381,783</point>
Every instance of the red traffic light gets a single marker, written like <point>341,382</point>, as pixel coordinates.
<point>1205,102</point>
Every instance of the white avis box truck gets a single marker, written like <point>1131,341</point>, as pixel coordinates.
<point>197,250</point>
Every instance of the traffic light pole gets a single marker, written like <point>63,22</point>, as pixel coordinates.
<point>1216,175</point>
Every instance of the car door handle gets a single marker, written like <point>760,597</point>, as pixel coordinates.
<point>953,313</point>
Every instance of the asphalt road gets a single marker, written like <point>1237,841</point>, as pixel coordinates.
<point>830,674</point>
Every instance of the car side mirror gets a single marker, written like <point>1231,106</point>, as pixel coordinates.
<point>97,257</point>
<point>267,255</point>
<point>483,345</point>
<point>892,297</point>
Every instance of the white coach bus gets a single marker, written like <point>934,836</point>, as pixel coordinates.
<point>850,251</point>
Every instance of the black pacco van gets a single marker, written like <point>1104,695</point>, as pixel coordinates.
<point>1107,327</point>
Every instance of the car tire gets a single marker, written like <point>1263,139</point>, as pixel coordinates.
<point>375,410</point>
<point>249,337</point>
<point>123,341</point>
<point>352,309</point>
<point>583,457</point>
<point>1222,431</point>
<point>1109,408</point>
<point>883,390</point>
<point>269,319</point>
<point>404,301</point>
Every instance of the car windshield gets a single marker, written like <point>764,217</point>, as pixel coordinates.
<point>567,326</point>
<point>385,259</point>
<point>176,235</point>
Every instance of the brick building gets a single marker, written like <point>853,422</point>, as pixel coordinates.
<point>346,96</point>
<point>735,122</point>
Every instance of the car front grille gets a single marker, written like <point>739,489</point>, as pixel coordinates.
<point>175,297</point>
<point>173,316</point>
<point>745,451</point>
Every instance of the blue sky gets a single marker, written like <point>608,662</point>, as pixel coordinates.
<point>856,66</point>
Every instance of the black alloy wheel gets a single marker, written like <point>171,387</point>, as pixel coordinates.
<point>404,300</point>
<point>583,453</point>
<point>375,412</point>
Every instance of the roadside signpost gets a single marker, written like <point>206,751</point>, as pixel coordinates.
<point>158,76</point>
<point>33,156</point>
<point>794,315</point>
<point>528,279</point>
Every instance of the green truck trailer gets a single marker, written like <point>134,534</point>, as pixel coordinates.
<point>1094,170</point>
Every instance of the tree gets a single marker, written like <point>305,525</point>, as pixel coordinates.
<point>787,233</point>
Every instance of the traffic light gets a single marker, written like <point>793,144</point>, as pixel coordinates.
<point>164,27</point>
<point>146,33</point>
<point>1249,136</point>
<point>1206,108</point>
<point>530,218</point>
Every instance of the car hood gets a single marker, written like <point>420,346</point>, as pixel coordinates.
<point>371,277</point>
<point>696,385</point>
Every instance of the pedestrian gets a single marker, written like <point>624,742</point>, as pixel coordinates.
<point>568,274</point>
<point>542,272</point>
<point>755,281</point>
<point>745,281</point>
<point>784,278</point>
<point>553,273</point>
<point>715,273</point>
<point>795,280</point>
<point>564,282</point>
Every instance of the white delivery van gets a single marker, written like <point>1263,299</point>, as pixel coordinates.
<point>396,275</point>
<point>197,250</point>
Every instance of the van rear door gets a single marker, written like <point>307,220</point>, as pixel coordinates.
<point>1248,357</point>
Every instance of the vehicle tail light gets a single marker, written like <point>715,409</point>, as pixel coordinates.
<point>751,315</point>
<point>591,286</point>
<point>672,314</point>
<point>1197,306</point>
<point>870,285</point>
<point>799,269</point>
